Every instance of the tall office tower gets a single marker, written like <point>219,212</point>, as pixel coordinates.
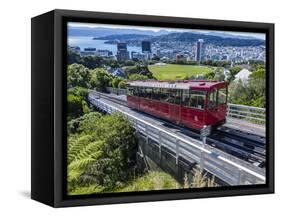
<point>146,46</point>
<point>121,46</point>
<point>122,53</point>
<point>199,50</point>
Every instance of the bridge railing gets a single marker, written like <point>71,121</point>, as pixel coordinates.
<point>248,113</point>
<point>243,112</point>
<point>117,91</point>
<point>185,147</point>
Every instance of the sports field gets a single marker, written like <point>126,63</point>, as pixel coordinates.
<point>177,72</point>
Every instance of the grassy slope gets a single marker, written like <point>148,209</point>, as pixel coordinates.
<point>174,71</point>
<point>149,181</point>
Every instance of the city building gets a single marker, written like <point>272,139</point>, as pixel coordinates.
<point>104,53</point>
<point>119,72</point>
<point>180,57</point>
<point>146,46</point>
<point>91,49</point>
<point>243,75</point>
<point>199,50</point>
<point>136,56</point>
<point>122,53</point>
<point>74,48</point>
<point>121,46</point>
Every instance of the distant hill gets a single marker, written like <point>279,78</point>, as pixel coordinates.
<point>189,37</point>
<point>229,35</point>
<point>124,37</point>
<point>208,39</point>
<point>101,31</point>
<point>134,36</point>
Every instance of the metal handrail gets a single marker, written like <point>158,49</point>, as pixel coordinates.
<point>248,113</point>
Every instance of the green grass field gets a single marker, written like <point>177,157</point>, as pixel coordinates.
<point>177,72</point>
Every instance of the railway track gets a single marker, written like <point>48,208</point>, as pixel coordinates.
<point>245,146</point>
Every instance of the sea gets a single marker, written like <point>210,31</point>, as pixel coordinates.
<point>86,41</point>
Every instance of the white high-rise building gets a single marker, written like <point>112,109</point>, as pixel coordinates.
<point>199,50</point>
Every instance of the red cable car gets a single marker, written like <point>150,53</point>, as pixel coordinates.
<point>189,103</point>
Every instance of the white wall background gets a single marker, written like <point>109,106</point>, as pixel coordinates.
<point>15,106</point>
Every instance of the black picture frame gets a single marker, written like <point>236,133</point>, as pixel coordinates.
<point>48,148</point>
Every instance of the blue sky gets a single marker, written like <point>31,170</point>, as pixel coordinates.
<point>155,29</point>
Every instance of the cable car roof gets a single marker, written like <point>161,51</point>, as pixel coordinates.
<point>184,84</point>
<point>161,84</point>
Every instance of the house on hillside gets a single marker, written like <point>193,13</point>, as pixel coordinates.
<point>243,75</point>
<point>119,73</point>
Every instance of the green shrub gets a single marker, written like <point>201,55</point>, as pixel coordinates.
<point>102,151</point>
<point>137,77</point>
<point>77,75</point>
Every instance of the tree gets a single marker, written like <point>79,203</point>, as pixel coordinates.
<point>238,92</point>
<point>74,105</point>
<point>232,72</point>
<point>77,75</point>
<point>92,62</point>
<point>116,81</point>
<point>257,86</point>
<point>129,63</point>
<point>119,150</point>
<point>259,72</point>
<point>73,57</point>
<point>102,153</point>
<point>100,79</point>
<point>122,84</point>
<point>112,63</point>
<point>139,69</point>
<point>137,77</point>
<point>219,75</point>
<point>210,75</point>
<point>78,103</point>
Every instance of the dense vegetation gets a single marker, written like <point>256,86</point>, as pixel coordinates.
<point>252,92</point>
<point>101,152</point>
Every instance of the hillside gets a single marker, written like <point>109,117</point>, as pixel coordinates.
<point>186,37</point>
<point>208,39</point>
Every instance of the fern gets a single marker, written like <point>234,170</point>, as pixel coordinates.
<point>81,156</point>
<point>77,145</point>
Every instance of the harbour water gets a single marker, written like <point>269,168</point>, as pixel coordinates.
<point>86,41</point>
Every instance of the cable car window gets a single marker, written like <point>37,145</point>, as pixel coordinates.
<point>148,93</point>
<point>212,100</point>
<point>165,95</point>
<point>131,91</point>
<point>221,96</point>
<point>185,98</point>
<point>172,96</point>
<point>175,95</point>
<point>156,94</point>
<point>141,92</point>
<point>197,99</point>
